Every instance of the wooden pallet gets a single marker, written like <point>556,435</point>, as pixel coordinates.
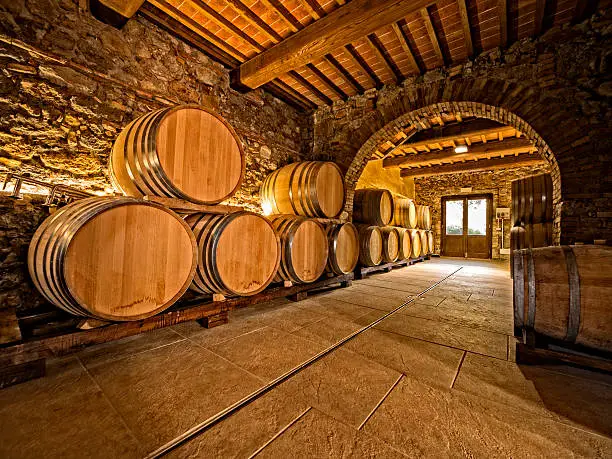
<point>363,271</point>
<point>52,332</point>
<point>537,349</point>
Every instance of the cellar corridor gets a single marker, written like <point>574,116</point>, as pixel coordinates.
<point>437,379</point>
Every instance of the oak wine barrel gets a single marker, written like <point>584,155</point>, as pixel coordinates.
<point>415,239</point>
<point>311,189</point>
<point>564,293</point>
<point>112,258</point>
<point>424,242</point>
<point>238,253</point>
<point>423,217</point>
<point>304,248</point>
<point>343,240</point>
<point>430,242</point>
<point>405,244</point>
<point>391,241</point>
<point>370,245</point>
<point>373,206</point>
<point>183,152</point>
<point>404,212</point>
<point>532,200</point>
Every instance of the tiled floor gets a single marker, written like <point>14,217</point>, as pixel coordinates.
<point>436,379</point>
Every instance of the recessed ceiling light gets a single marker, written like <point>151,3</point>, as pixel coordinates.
<point>461,149</point>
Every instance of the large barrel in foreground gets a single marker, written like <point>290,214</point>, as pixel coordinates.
<point>304,248</point>
<point>373,206</point>
<point>370,245</point>
<point>404,212</point>
<point>423,217</point>
<point>310,189</point>
<point>343,240</point>
<point>238,253</point>
<point>183,152</point>
<point>564,293</point>
<point>115,259</point>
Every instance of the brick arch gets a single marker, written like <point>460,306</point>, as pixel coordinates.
<point>541,110</point>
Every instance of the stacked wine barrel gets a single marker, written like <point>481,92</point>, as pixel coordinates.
<point>123,258</point>
<point>532,213</point>
<point>388,227</point>
<point>301,200</point>
<point>563,293</point>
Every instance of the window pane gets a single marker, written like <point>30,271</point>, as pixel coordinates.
<point>477,217</point>
<point>454,217</point>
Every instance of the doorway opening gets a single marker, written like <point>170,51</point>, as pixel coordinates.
<point>466,226</point>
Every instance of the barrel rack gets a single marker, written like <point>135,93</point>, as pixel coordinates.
<point>363,271</point>
<point>536,349</point>
<point>51,332</point>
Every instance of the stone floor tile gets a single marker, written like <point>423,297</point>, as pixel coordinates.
<point>64,414</point>
<point>344,385</point>
<point>384,292</point>
<point>329,331</point>
<point>326,306</point>
<point>163,392</point>
<point>268,352</point>
<point>316,435</point>
<point>368,300</point>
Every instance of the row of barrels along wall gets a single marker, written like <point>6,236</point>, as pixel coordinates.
<point>531,214</point>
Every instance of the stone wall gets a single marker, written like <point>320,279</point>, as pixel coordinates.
<point>431,190</point>
<point>556,90</point>
<point>69,84</point>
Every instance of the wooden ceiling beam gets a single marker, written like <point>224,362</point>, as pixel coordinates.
<point>502,13</point>
<point>340,27</point>
<point>431,32</point>
<point>197,27</point>
<point>382,54</point>
<point>475,166</point>
<point>313,8</point>
<point>327,81</point>
<point>505,147</point>
<point>540,8</point>
<point>252,18</point>
<point>363,65</point>
<point>288,95</point>
<point>399,33</point>
<point>114,12</point>
<point>583,9</point>
<point>187,34</point>
<point>289,19</point>
<point>465,25</point>
<point>304,82</point>
<point>477,127</point>
<point>225,24</point>
<point>350,80</point>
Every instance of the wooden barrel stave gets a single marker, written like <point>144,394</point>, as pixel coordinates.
<point>404,212</point>
<point>424,242</point>
<point>304,248</point>
<point>370,245</point>
<point>152,157</point>
<point>423,217</point>
<point>563,292</point>
<point>343,242</point>
<point>430,242</point>
<point>405,244</point>
<point>72,258</point>
<point>390,244</point>
<point>310,189</point>
<point>373,206</point>
<point>415,239</point>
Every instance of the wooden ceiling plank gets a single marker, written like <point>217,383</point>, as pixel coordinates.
<point>399,33</point>
<point>502,8</point>
<point>351,81</point>
<point>431,32</point>
<point>340,27</point>
<point>477,127</point>
<point>465,25</point>
<point>252,18</point>
<point>187,34</point>
<point>382,55</point>
<point>288,89</point>
<point>363,65</point>
<point>289,98</point>
<point>327,81</point>
<point>474,166</point>
<point>313,8</point>
<point>288,18</point>
<point>225,24</point>
<point>205,33</point>
<point>304,82</point>
<point>448,154</point>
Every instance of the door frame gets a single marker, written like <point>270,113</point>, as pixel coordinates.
<point>457,197</point>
